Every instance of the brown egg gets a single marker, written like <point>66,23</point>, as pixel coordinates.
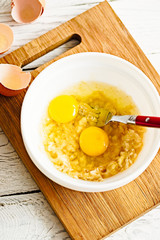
<point>13,80</point>
<point>26,11</point>
<point>6,37</point>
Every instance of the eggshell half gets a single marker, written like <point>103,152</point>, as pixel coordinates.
<point>13,80</point>
<point>6,37</point>
<point>26,11</point>
<point>43,3</point>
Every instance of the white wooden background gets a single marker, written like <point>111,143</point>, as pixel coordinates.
<point>24,212</point>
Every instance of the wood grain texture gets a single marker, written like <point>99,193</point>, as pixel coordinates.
<point>27,215</point>
<point>144,27</point>
<point>84,215</point>
<point>14,178</point>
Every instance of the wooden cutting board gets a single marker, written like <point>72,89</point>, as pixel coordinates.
<point>88,216</point>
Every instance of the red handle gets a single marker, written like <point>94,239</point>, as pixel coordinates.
<point>148,121</point>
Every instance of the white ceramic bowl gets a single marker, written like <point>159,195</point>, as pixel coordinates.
<point>96,67</point>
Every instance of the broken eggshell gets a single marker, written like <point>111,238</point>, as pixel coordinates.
<point>6,37</point>
<point>13,80</point>
<point>26,11</point>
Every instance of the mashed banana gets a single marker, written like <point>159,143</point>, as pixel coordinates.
<point>61,140</point>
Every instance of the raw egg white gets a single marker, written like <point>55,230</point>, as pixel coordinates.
<point>63,108</point>
<point>93,141</point>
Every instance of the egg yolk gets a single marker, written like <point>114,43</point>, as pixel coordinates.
<point>93,141</point>
<point>63,108</point>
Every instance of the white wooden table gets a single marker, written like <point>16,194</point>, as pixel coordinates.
<point>24,212</point>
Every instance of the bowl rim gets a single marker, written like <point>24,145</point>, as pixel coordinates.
<point>77,184</point>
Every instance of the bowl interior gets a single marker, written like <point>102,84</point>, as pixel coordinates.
<point>88,67</point>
